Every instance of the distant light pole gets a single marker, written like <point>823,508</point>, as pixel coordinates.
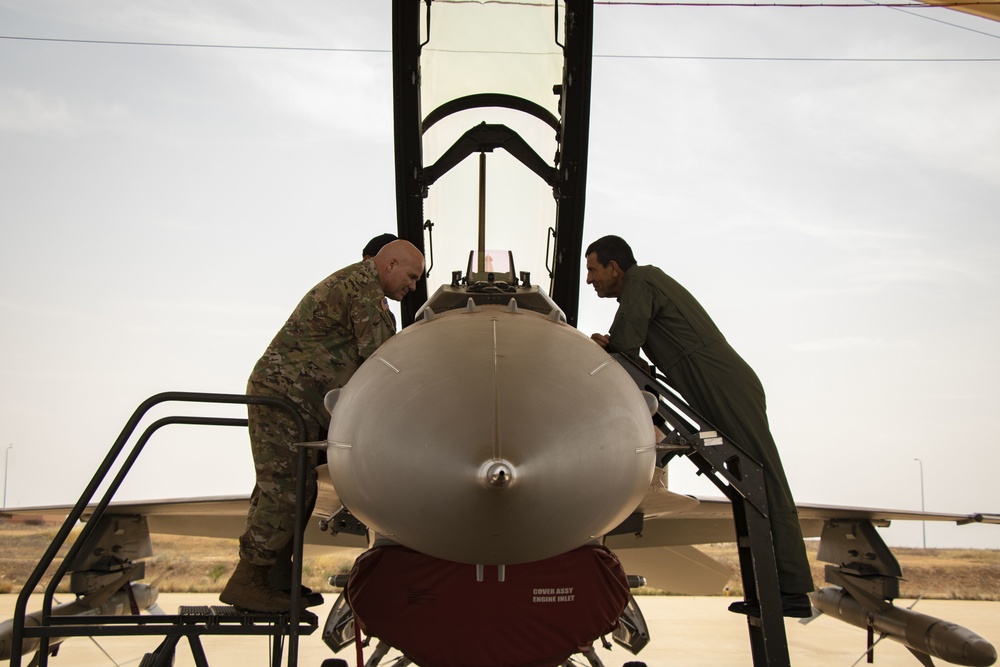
<point>923,523</point>
<point>6,465</point>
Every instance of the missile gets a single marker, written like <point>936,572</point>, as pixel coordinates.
<point>918,632</point>
<point>491,434</point>
<point>117,605</point>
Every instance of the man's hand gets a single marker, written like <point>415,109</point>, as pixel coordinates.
<point>600,339</point>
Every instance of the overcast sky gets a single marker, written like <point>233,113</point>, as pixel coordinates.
<point>826,182</point>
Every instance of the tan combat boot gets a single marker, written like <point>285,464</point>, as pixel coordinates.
<point>248,588</point>
<point>280,578</point>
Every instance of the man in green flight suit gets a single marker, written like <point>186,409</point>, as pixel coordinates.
<point>658,315</point>
<point>335,327</point>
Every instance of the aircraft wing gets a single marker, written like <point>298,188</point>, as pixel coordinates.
<point>670,518</point>
<point>215,516</point>
<point>708,520</point>
<point>663,550</point>
<point>207,507</point>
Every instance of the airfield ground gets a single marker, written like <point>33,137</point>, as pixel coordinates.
<point>686,631</point>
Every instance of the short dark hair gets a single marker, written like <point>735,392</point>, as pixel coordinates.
<point>377,244</point>
<point>610,248</point>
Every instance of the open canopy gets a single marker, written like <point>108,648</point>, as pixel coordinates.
<point>491,105</point>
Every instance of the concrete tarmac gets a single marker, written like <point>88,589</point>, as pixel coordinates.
<point>685,631</point>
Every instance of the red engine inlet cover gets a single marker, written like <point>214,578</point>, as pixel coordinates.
<point>438,615</point>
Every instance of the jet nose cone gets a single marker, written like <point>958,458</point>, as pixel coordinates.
<point>521,441</point>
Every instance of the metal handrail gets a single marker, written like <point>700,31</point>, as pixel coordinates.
<point>19,631</point>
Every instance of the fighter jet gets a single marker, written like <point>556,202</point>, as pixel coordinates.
<point>505,478</point>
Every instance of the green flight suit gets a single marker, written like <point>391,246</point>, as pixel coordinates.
<point>657,314</point>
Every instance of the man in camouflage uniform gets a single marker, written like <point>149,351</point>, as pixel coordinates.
<point>335,327</point>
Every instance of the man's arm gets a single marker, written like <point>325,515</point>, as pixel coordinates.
<point>367,325</point>
<point>631,325</point>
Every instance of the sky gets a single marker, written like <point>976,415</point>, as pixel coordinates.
<point>826,182</point>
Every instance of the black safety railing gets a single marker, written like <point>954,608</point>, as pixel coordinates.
<point>75,626</point>
<point>741,478</point>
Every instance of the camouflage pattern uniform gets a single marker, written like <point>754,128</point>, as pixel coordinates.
<point>335,327</point>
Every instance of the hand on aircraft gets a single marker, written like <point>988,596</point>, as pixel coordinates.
<point>600,339</point>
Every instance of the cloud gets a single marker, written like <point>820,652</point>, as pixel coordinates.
<point>39,114</point>
<point>34,112</point>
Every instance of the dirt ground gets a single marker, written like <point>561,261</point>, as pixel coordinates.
<point>688,631</point>
<point>199,565</point>
<point>685,631</point>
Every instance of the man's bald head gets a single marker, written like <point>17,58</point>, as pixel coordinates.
<point>400,265</point>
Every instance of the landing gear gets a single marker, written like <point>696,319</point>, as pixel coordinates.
<point>593,660</point>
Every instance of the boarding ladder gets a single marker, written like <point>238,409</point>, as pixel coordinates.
<point>191,622</point>
<point>741,478</point>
